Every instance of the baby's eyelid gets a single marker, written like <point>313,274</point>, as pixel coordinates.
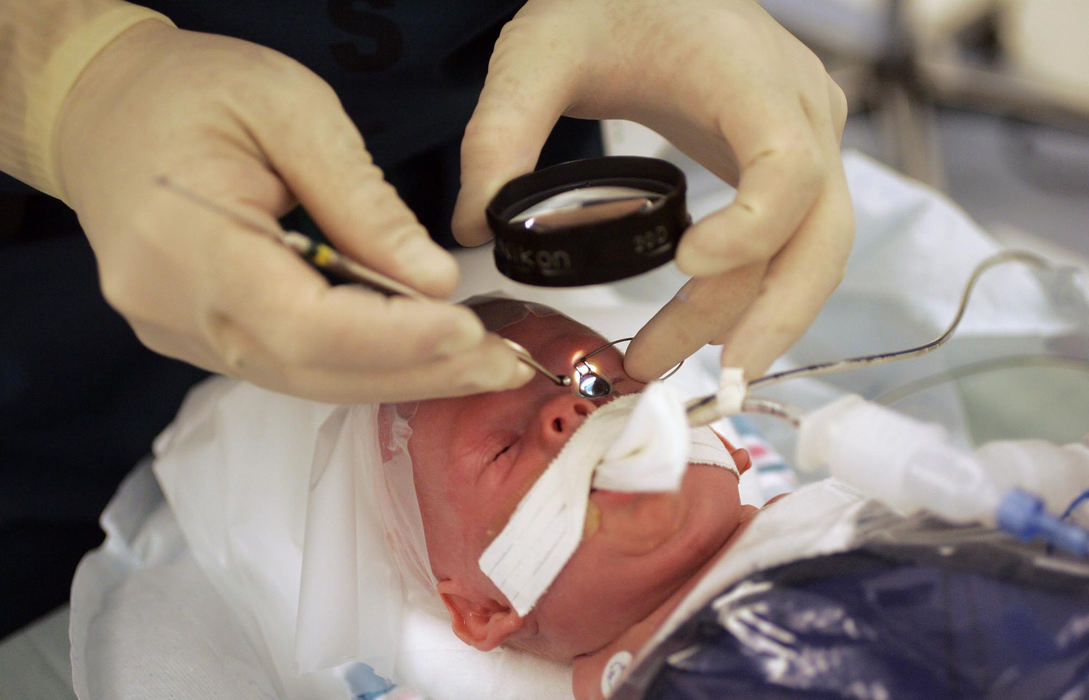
<point>503,446</point>
<point>490,451</point>
<point>500,463</point>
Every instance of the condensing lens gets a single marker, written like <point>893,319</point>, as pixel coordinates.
<point>585,205</point>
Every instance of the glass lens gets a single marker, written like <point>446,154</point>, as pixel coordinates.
<point>585,205</point>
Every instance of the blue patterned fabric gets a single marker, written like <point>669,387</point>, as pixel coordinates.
<point>892,623</point>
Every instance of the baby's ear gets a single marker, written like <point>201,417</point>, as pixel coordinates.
<point>741,459</point>
<point>739,454</point>
<point>481,622</point>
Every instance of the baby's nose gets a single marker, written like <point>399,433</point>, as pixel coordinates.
<point>561,415</point>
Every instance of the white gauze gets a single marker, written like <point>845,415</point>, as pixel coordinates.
<point>639,442</point>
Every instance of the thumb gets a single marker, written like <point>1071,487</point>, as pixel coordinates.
<point>317,150</point>
<point>529,85</point>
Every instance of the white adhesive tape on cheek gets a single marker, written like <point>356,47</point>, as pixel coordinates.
<point>707,448</point>
<point>538,540</point>
<point>546,527</point>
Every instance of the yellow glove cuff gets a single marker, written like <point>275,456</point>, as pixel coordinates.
<point>61,71</point>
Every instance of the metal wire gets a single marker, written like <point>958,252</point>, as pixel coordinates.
<point>584,369</point>
<point>772,407</point>
<point>982,367</point>
<point>880,359</point>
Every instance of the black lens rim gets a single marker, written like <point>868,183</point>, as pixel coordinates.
<point>596,252</point>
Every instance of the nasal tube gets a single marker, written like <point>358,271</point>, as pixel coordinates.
<point>912,466</point>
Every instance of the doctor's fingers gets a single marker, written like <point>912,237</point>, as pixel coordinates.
<point>291,313</point>
<point>532,78</point>
<point>701,313</point>
<point>487,367</point>
<point>787,155</point>
<point>798,282</point>
<point>781,149</point>
<point>237,293</point>
<point>316,149</point>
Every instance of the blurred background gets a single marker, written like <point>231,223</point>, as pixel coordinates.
<point>986,100</point>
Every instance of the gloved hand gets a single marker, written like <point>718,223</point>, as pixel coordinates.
<point>731,88</point>
<point>257,132</point>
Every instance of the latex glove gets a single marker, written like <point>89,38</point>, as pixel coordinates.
<point>256,131</point>
<point>731,88</point>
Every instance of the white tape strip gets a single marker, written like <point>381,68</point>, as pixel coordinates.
<point>651,443</point>
<point>731,390</point>
<point>546,527</point>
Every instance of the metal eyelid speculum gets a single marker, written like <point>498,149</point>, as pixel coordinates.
<point>591,385</point>
<point>586,381</point>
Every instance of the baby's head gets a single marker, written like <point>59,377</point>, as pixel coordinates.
<point>475,457</point>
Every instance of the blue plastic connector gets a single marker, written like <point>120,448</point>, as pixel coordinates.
<point>1022,515</point>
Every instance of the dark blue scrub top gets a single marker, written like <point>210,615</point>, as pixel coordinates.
<point>408,72</point>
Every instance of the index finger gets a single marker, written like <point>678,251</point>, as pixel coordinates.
<point>490,367</point>
<point>268,295</point>
<point>798,282</point>
<point>314,146</point>
<point>782,169</point>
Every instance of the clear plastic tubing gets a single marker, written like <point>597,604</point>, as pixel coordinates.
<point>911,466</point>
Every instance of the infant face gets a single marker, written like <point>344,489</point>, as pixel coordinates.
<point>475,457</point>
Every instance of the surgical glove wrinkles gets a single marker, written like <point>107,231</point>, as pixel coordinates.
<point>735,91</point>
<point>257,132</point>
